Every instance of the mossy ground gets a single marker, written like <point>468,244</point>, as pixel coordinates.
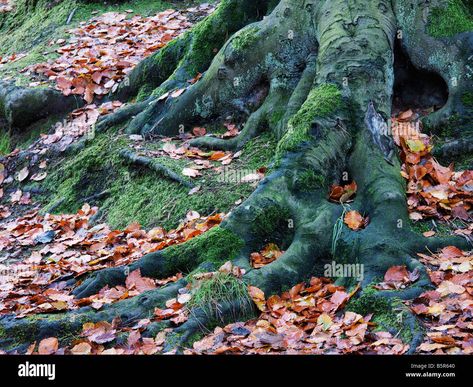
<point>441,228</point>
<point>5,143</point>
<point>245,38</point>
<point>134,194</point>
<point>467,99</point>
<point>456,17</point>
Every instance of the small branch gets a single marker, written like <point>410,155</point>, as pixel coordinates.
<point>96,196</point>
<point>154,166</point>
<point>71,15</point>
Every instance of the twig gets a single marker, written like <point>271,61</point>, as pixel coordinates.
<point>71,15</point>
<point>154,166</point>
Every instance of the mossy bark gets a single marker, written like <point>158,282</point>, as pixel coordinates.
<point>320,76</point>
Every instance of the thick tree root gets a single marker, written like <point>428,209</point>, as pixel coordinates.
<point>17,334</point>
<point>173,66</point>
<point>20,107</point>
<point>326,93</point>
<point>454,148</point>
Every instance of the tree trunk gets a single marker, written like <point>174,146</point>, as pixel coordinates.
<point>320,75</point>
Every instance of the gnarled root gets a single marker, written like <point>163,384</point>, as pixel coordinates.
<point>333,86</point>
<point>20,107</point>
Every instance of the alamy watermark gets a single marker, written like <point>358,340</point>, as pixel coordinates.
<point>29,370</point>
<point>345,270</point>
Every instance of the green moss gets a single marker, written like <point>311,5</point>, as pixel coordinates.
<point>369,302</point>
<point>221,289</point>
<point>245,38</point>
<point>134,194</point>
<point>321,102</point>
<point>85,174</point>
<point>276,117</point>
<point>388,314</point>
<point>5,146</point>
<point>307,180</point>
<point>217,245</point>
<point>467,99</point>
<point>210,34</point>
<point>144,93</point>
<point>441,229</point>
<point>270,224</point>
<point>196,336</point>
<point>450,20</point>
<point>448,129</point>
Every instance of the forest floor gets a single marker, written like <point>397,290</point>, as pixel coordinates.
<point>69,208</point>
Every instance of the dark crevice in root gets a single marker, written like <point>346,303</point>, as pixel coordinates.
<point>414,88</point>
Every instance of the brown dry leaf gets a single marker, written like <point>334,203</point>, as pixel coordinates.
<point>23,174</point>
<point>141,284</point>
<point>257,295</point>
<point>199,132</point>
<point>101,53</point>
<point>81,349</point>
<point>354,220</point>
<point>343,194</point>
<point>191,172</point>
<point>268,254</point>
<point>39,176</point>
<point>48,346</point>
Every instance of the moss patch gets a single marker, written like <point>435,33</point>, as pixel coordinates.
<point>321,102</point>
<point>5,146</point>
<point>307,180</point>
<point>388,314</point>
<point>216,245</point>
<point>245,38</point>
<point>447,21</point>
<point>221,289</point>
<point>467,99</point>
<point>210,34</point>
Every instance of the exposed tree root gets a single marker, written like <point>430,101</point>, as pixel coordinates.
<point>455,148</point>
<point>20,107</point>
<point>319,77</point>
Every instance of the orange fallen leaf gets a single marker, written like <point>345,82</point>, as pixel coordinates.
<point>257,295</point>
<point>354,220</point>
<point>48,346</point>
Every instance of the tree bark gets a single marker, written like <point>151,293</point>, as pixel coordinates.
<point>327,65</point>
